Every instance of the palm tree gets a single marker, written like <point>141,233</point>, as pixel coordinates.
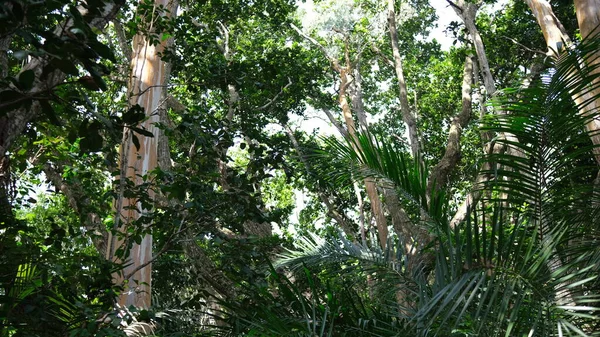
<point>525,262</point>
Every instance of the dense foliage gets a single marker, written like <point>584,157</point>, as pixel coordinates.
<point>422,204</point>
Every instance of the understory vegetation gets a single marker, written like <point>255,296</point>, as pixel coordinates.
<point>282,168</point>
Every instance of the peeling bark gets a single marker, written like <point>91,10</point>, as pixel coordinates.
<point>149,74</point>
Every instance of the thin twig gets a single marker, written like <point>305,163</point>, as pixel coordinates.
<point>382,55</point>
<point>334,62</point>
<point>271,101</point>
<point>524,46</point>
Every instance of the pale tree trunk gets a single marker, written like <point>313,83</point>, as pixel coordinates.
<point>148,77</point>
<point>344,72</point>
<point>554,32</point>
<point>467,11</point>
<point>340,218</point>
<point>370,187</point>
<point>588,18</point>
<point>411,234</point>
<point>407,116</point>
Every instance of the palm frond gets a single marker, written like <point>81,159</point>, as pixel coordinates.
<point>551,167</point>
<point>367,156</point>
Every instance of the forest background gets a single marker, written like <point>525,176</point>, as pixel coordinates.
<point>153,156</point>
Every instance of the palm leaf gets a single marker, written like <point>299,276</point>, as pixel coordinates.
<point>367,156</point>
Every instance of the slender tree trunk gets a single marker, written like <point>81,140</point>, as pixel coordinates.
<point>370,187</point>
<point>554,32</point>
<point>149,75</point>
<point>588,18</point>
<point>340,218</point>
<point>407,116</point>
<point>411,234</point>
<point>441,172</point>
<point>467,11</point>
<point>344,72</point>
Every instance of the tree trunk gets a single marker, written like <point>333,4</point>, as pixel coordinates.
<point>344,72</point>
<point>340,218</point>
<point>588,18</point>
<point>467,11</point>
<point>441,172</point>
<point>407,116</point>
<point>370,187</point>
<point>554,32</point>
<point>149,75</point>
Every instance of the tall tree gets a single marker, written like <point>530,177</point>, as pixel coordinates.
<point>557,38</point>
<point>139,154</point>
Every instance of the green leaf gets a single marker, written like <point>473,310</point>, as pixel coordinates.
<point>66,66</point>
<point>103,50</point>
<point>92,141</point>
<point>99,81</point>
<point>26,79</point>
<point>142,131</point>
<point>165,36</point>
<point>49,112</point>
<point>134,115</point>
<point>135,141</point>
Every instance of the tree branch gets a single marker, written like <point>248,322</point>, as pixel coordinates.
<point>335,123</point>
<point>334,62</point>
<point>274,99</point>
<point>122,39</point>
<point>339,217</point>
<point>440,173</point>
